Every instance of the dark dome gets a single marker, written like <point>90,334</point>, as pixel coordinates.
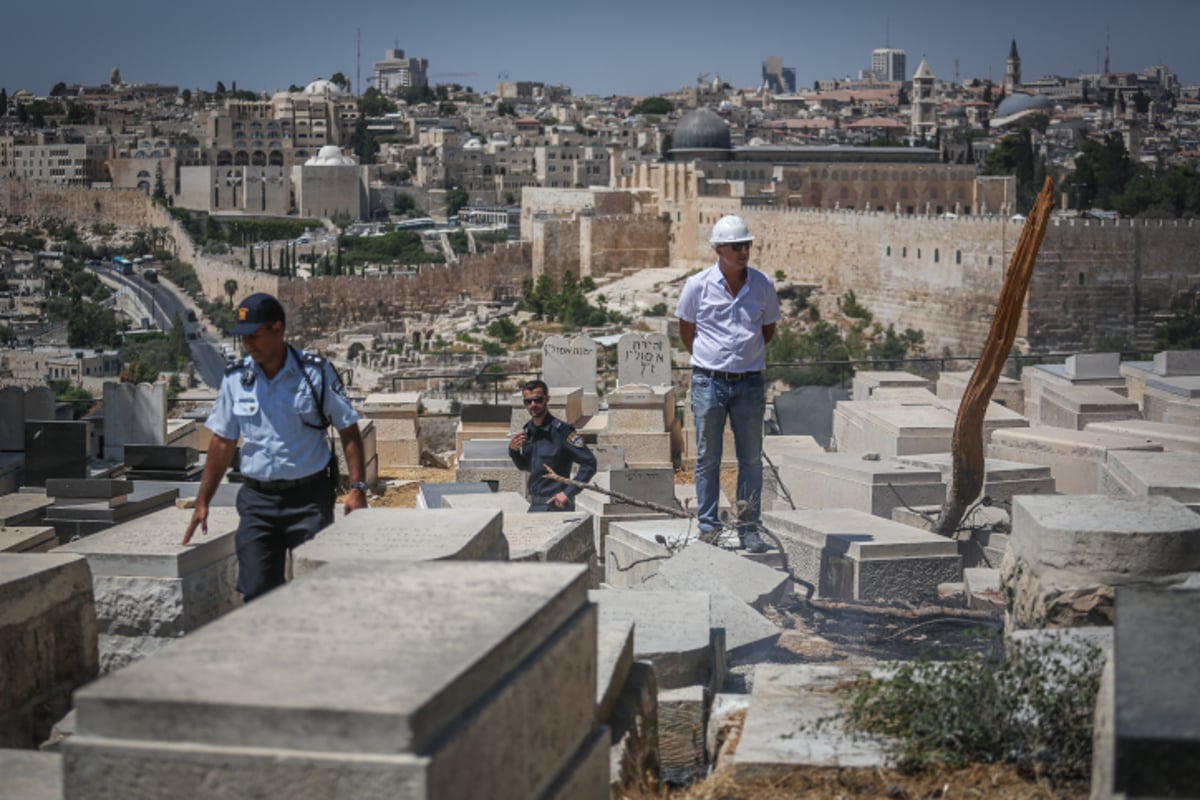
<point>701,129</point>
<point>1017,102</point>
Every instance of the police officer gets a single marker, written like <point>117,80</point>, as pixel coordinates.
<point>546,440</point>
<point>279,400</point>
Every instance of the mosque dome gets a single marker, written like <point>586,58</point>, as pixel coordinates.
<point>323,87</point>
<point>1018,102</point>
<point>330,156</point>
<point>702,129</point>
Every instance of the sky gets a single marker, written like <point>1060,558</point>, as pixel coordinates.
<point>632,47</point>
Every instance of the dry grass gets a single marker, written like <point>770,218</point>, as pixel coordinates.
<point>998,781</point>
<point>405,494</point>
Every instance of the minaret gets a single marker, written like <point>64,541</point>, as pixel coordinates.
<point>924,121</point>
<point>1012,70</point>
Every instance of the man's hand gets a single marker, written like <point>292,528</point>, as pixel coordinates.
<point>517,442</point>
<point>199,518</point>
<point>559,500</point>
<point>355,500</point>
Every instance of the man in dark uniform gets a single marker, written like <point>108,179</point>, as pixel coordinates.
<point>280,401</point>
<point>546,440</point>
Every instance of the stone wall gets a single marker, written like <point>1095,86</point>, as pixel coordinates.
<point>329,303</point>
<point>82,207</point>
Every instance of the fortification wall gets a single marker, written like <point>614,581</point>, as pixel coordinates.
<point>614,244</point>
<point>77,205</point>
<point>324,304</point>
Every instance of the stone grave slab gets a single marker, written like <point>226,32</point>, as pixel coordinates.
<point>55,450</point>
<point>30,775</point>
<point>1170,437</point>
<point>1177,362</point>
<point>1008,392</point>
<point>614,659</point>
<point>1002,479</point>
<point>1067,554</point>
<point>982,588</point>
<point>703,567</point>
<point>852,555</point>
<point>1084,366</point>
<point>88,488</point>
<point>1175,401</point>
<point>847,480</point>
<point>746,631</point>
<point>793,722</point>
<point>989,531</point>
<point>21,508</point>
<point>867,381</point>
<point>12,467</point>
<point>405,534</point>
<point>1076,458</point>
<point>430,495</point>
<point>79,517</point>
<point>1175,475</point>
<point>434,702</point>
<point>682,721</point>
<point>1073,407</point>
<point>1039,377</point>
<point>1146,742</point>
<point>133,414</point>
<point>160,457</point>
<point>507,502</point>
<point>151,590</point>
<point>572,363</point>
<point>12,419</point>
<point>671,631</point>
<point>634,724</point>
<point>644,359</point>
<point>47,642</point>
<point>27,539</point>
<point>565,537</point>
<point>653,485</point>
<point>634,552</point>
<point>487,461</point>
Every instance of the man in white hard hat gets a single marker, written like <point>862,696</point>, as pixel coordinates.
<point>727,315</point>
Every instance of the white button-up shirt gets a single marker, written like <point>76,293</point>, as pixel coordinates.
<point>729,333</point>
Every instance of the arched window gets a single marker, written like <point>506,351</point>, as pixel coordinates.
<point>958,256</point>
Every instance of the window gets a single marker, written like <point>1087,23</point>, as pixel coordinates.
<point>958,256</point>
<point>936,255</point>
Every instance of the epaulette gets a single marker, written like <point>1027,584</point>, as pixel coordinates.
<point>313,358</point>
<point>236,366</point>
<point>558,423</point>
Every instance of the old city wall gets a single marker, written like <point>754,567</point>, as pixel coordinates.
<point>76,205</point>
<point>320,305</point>
<point>943,276</point>
<point>615,244</point>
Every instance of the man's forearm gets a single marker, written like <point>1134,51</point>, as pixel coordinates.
<point>353,447</point>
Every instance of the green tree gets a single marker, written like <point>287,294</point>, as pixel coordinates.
<point>178,343</point>
<point>220,91</point>
<point>447,109</point>
<point>1013,155</point>
<point>186,96</point>
<point>456,199</point>
<point>1103,170</point>
<point>3,102</point>
<point>59,90</point>
<point>363,143</point>
<point>341,81</point>
<point>373,103</point>
<point>404,203</point>
<point>160,186</point>
<point>653,105</point>
<point>231,287</point>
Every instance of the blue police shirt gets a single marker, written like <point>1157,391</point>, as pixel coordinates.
<point>270,415</point>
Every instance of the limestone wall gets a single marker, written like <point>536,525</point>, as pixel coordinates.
<point>82,207</point>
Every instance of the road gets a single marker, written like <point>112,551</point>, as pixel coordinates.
<point>162,303</point>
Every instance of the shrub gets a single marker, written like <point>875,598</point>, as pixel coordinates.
<point>1034,706</point>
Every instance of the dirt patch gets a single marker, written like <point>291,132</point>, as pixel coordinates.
<point>399,487</point>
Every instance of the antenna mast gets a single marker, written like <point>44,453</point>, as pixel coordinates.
<point>358,61</point>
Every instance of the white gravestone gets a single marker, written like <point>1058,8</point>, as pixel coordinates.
<point>644,359</point>
<point>133,414</point>
<point>572,362</point>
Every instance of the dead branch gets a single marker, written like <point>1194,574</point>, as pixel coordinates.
<point>966,478</point>
<point>923,612</point>
<point>624,498</point>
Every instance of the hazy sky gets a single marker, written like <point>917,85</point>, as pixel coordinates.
<point>602,46</point>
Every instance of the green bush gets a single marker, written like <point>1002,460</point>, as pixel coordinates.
<point>1034,706</point>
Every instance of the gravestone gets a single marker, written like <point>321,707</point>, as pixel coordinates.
<point>572,362</point>
<point>644,359</point>
<point>133,414</point>
<point>55,450</point>
<point>12,419</point>
<point>364,680</point>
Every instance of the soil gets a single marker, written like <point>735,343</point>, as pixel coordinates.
<point>815,634</point>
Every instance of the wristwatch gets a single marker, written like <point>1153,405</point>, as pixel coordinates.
<point>361,486</point>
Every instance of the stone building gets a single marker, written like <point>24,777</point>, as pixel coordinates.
<point>395,72</point>
<point>61,163</point>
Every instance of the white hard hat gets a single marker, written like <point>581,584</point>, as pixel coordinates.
<point>730,229</point>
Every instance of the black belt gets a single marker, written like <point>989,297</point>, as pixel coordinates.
<point>278,487</point>
<point>725,376</point>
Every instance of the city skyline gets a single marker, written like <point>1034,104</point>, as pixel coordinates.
<point>616,48</point>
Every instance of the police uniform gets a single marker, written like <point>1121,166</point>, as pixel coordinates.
<point>558,444</point>
<point>289,471</point>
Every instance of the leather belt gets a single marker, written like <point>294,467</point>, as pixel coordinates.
<point>278,487</point>
<point>725,376</point>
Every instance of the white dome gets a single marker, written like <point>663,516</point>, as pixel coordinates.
<point>473,144</point>
<point>323,87</point>
<point>330,156</point>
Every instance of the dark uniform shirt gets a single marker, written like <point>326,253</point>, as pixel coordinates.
<point>558,444</point>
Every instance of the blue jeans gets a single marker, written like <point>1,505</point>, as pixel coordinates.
<point>744,402</point>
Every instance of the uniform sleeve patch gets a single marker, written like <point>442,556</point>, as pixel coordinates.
<point>575,439</point>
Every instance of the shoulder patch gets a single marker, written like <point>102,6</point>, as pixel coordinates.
<point>575,440</point>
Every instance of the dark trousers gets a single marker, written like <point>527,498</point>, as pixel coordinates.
<point>271,524</point>
<point>539,507</point>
